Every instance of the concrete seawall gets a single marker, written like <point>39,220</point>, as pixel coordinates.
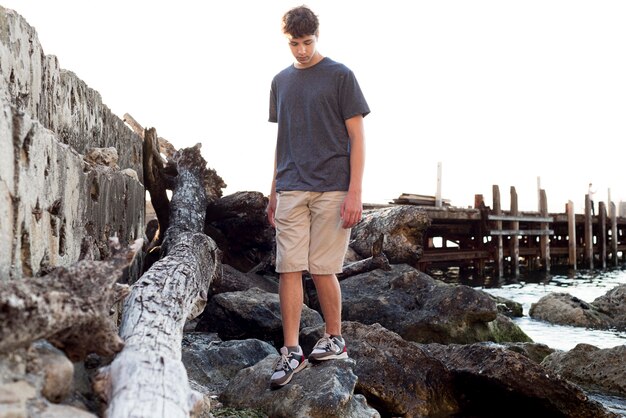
<point>57,207</point>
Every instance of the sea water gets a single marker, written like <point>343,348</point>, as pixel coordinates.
<point>586,285</point>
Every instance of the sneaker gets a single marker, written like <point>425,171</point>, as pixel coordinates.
<point>328,348</point>
<point>287,365</point>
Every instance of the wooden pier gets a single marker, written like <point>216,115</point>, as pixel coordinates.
<point>501,241</point>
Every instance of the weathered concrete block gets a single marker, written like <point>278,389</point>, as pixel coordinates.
<point>56,207</point>
<point>58,99</point>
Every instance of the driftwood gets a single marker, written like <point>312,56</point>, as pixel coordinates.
<point>165,146</point>
<point>378,260</point>
<point>70,307</point>
<point>159,176</point>
<point>156,183</point>
<point>403,227</point>
<point>147,378</point>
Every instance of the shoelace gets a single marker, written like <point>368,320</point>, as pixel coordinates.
<point>327,342</point>
<point>283,361</point>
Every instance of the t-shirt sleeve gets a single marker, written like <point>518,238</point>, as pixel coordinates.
<point>352,100</point>
<point>273,116</point>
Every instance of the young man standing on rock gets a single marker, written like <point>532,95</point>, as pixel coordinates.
<point>316,188</point>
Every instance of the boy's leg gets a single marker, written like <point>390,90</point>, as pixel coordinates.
<point>292,248</point>
<point>329,242</point>
<point>291,300</point>
<point>329,295</point>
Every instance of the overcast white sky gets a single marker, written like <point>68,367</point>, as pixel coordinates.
<point>500,92</point>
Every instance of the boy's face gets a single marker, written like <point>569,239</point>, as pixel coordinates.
<point>304,49</point>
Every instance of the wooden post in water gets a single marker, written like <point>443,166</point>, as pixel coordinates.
<point>545,238</point>
<point>588,233</point>
<point>514,248</point>
<point>571,232</point>
<point>497,209</point>
<point>479,203</point>
<point>602,233</point>
<point>438,202</point>
<point>613,215</point>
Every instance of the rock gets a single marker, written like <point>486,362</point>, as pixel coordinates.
<point>593,368</point>
<point>565,309</point>
<point>491,380</point>
<point>403,227</point>
<point>232,280</point>
<point>423,309</point>
<point>103,156</point>
<point>55,207</point>
<point>503,329</point>
<point>613,304</point>
<point>33,83</point>
<point>253,313</point>
<point>323,390</point>
<point>64,411</point>
<point>508,307</point>
<point>13,398</point>
<point>397,377</point>
<point>211,363</point>
<point>238,224</point>
<point>58,371</point>
<point>534,351</point>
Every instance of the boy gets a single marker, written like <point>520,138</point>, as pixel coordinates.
<point>316,189</point>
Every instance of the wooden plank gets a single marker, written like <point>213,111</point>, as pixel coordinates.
<point>523,232</point>
<point>514,218</point>
<point>439,255</point>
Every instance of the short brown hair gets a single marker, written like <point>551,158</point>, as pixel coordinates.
<point>300,21</point>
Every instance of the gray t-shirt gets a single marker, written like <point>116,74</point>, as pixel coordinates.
<point>311,106</point>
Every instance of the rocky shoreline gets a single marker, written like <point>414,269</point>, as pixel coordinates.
<point>73,177</point>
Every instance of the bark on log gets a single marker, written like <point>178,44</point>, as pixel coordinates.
<point>70,307</point>
<point>147,378</point>
<point>165,147</point>
<point>378,260</point>
<point>156,183</point>
<point>403,227</point>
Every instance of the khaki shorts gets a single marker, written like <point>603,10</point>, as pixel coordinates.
<point>309,235</point>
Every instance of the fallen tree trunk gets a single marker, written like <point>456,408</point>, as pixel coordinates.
<point>70,307</point>
<point>147,378</point>
<point>403,227</point>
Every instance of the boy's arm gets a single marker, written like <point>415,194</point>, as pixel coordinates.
<point>352,207</point>
<point>271,205</point>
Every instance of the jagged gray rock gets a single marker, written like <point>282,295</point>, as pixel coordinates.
<point>55,207</point>
<point>591,367</point>
<point>423,309</point>
<point>211,363</point>
<point>565,309</point>
<point>34,83</point>
<point>232,280</point>
<point>319,391</point>
<point>253,313</point>
<point>397,377</point>
<point>491,380</point>
<point>403,227</point>
<point>613,303</point>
